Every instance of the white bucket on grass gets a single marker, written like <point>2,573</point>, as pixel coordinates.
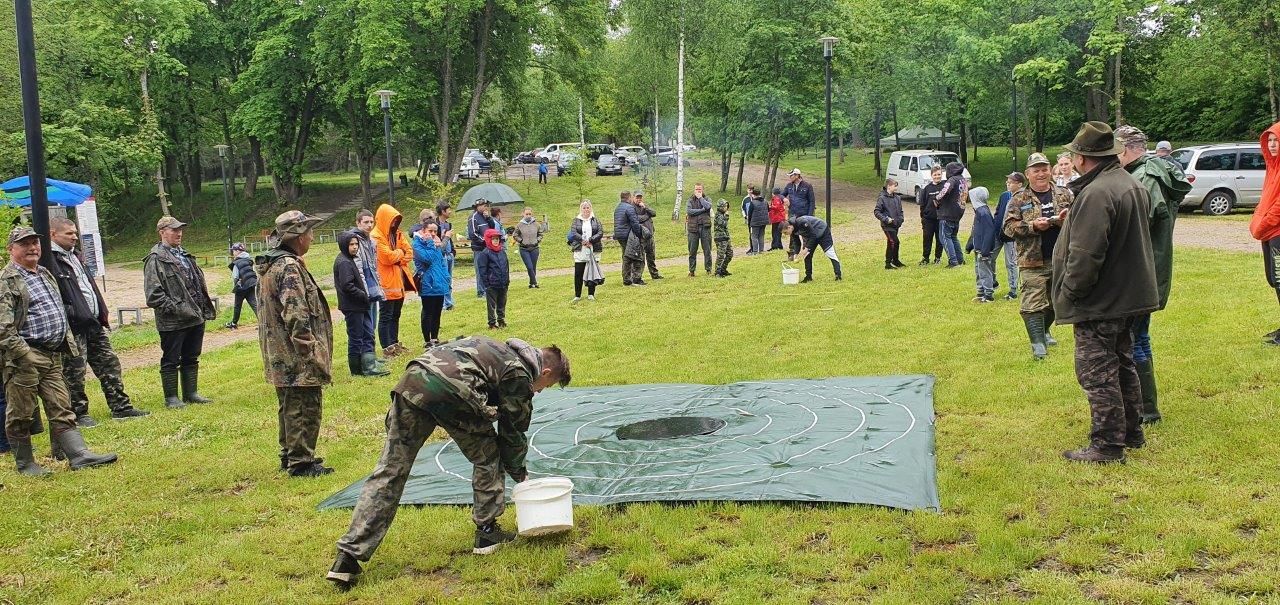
<point>790,277</point>
<point>543,506</point>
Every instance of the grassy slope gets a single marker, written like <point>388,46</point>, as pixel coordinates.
<point>196,511</point>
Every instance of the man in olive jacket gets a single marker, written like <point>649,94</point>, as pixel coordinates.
<point>176,291</point>
<point>295,332</point>
<point>1103,277</point>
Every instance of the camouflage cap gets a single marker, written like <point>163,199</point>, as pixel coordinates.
<point>1037,159</point>
<point>20,233</point>
<point>293,223</point>
<point>168,222</point>
<point>722,204</point>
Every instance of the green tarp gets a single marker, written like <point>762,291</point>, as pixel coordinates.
<point>853,440</point>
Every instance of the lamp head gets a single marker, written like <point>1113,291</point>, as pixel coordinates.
<point>222,150</point>
<point>828,46</point>
<point>385,95</point>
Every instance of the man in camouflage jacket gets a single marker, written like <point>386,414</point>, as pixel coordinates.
<point>463,387</point>
<point>1034,219</point>
<point>295,333</point>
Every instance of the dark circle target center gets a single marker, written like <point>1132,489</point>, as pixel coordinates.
<point>671,427</point>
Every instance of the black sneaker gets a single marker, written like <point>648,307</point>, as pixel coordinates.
<point>129,413</point>
<point>489,538</point>
<point>86,422</point>
<point>315,469</point>
<point>1011,296</point>
<point>807,279</point>
<point>345,572</point>
<point>657,277</point>
<point>923,263</point>
<point>639,282</point>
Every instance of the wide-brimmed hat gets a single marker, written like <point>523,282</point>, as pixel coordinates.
<point>293,223</point>
<point>20,233</point>
<point>1095,139</point>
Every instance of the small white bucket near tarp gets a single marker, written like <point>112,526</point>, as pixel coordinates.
<point>543,506</point>
<point>790,276</point>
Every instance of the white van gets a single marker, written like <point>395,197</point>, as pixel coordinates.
<point>552,152</point>
<point>911,169</point>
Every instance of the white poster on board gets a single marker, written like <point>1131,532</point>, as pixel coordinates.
<point>91,238</point>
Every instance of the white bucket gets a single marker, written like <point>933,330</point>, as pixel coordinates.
<point>543,506</point>
<point>790,277</point>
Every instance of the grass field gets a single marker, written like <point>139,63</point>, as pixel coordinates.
<point>196,512</point>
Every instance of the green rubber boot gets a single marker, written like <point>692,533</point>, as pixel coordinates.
<point>1147,376</point>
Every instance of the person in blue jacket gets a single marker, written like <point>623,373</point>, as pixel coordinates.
<point>1012,184</point>
<point>431,270</point>
<point>984,241</point>
<point>495,270</point>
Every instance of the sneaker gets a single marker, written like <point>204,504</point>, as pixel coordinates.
<point>230,326</point>
<point>502,325</point>
<point>988,298</point>
<point>657,276</point>
<point>1151,418</point>
<point>639,282</point>
<point>626,283</point>
<point>129,413</point>
<point>535,285</point>
<point>953,265</point>
<point>530,286</point>
<point>1011,296</point>
<point>575,300</point>
<point>979,299</point>
<point>898,264</point>
<point>1135,443</point>
<point>725,274</point>
<point>493,326</point>
<point>315,469</point>
<point>1273,341</point>
<point>86,422</point>
<point>889,267</point>
<point>345,571</point>
<point>448,307</point>
<point>1271,335</point>
<point>489,537</point>
<point>923,263</point>
<point>591,297</point>
<point>937,261</point>
<point>1095,455</point>
<point>691,274</point>
<point>807,279</point>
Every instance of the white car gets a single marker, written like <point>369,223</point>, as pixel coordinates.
<point>631,154</point>
<point>911,168</point>
<point>552,152</point>
<point>470,168</point>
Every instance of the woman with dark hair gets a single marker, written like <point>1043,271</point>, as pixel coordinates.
<point>586,239</point>
<point>432,273</point>
<point>353,301</point>
<point>244,283</point>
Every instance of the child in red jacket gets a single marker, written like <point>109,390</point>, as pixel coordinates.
<point>777,216</point>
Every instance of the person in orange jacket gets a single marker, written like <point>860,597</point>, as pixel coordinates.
<point>395,259</point>
<point>1265,225</point>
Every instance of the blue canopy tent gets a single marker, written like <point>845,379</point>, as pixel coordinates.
<point>17,192</point>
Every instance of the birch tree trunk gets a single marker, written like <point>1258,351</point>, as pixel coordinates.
<point>675,212</point>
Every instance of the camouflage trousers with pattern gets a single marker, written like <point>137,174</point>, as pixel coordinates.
<point>1105,369</point>
<point>724,254</point>
<point>299,413</point>
<point>96,353</point>
<point>409,423</point>
<point>28,382</point>
<point>1036,282</point>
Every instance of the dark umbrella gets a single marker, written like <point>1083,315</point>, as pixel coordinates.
<point>497,194</point>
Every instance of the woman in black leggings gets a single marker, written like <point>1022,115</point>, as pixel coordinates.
<point>586,228</point>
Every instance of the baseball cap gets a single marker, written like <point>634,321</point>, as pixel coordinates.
<point>638,194</point>
<point>1164,145</point>
<point>168,222</point>
<point>1037,159</point>
<point>293,223</point>
<point>20,233</point>
<point>794,172</point>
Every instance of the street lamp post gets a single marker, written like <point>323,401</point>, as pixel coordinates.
<point>828,49</point>
<point>386,95</point>
<point>226,190</point>
<point>1013,121</point>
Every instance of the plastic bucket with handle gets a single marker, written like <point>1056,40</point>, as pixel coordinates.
<point>790,277</point>
<point>543,506</point>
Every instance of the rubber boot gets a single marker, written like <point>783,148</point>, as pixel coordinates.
<point>357,366</point>
<point>190,385</point>
<point>379,364</point>
<point>835,265</point>
<point>26,459</point>
<point>1147,376</point>
<point>1049,316</point>
<point>78,454</point>
<point>169,382</point>
<point>369,363</point>
<point>1035,332</point>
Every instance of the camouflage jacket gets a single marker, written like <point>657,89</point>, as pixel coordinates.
<point>14,300</point>
<point>491,381</point>
<point>1024,208</point>
<point>179,302</point>
<point>295,330</point>
<point>721,230</point>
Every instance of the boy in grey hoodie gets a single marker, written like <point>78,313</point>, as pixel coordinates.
<point>983,242</point>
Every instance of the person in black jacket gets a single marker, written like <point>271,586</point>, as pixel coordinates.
<point>353,301</point>
<point>813,233</point>
<point>480,221</point>
<point>626,224</point>
<point>929,217</point>
<point>757,219</point>
<point>800,202</point>
<point>495,270</point>
<point>244,283</point>
<point>698,225</point>
<point>950,203</point>
<point>87,314</point>
<point>889,212</point>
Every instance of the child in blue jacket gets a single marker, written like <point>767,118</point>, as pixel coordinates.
<point>433,277</point>
<point>983,242</point>
<point>495,271</point>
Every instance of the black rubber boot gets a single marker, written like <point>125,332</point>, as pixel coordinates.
<point>190,385</point>
<point>78,454</point>
<point>356,364</point>
<point>26,459</point>
<point>1035,332</point>
<point>1147,376</point>
<point>345,572</point>
<point>169,382</point>
<point>1049,316</point>
<point>369,362</point>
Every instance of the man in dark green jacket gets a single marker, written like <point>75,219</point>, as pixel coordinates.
<point>1103,277</point>
<point>176,291</point>
<point>1166,185</point>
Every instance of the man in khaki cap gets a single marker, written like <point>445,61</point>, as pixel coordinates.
<point>176,291</point>
<point>1033,219</point>
<point>1103,277</point>
<point>295,332</point>
<point>34,335</point>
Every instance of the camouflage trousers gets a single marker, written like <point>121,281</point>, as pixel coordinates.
<point>96,353</point>
<point>409,423</point>
<point>724,254</point>
<point>1105,369</point>
<point>27,382</point>
<point>1035,289</point>
<point>299,415</point>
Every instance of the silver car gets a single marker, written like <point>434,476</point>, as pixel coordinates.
<point>1223,176</point>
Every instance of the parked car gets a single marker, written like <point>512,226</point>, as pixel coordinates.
<point>609,164</point>
<point>526,157</point>
<point>567,158</point>
<point>1223,177</point>
<point>470,168</point>
<point>911,168</point>
<point>631,154</point>
<point>483,162</point>
<point>595,150</point>
<point>666,156</point>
